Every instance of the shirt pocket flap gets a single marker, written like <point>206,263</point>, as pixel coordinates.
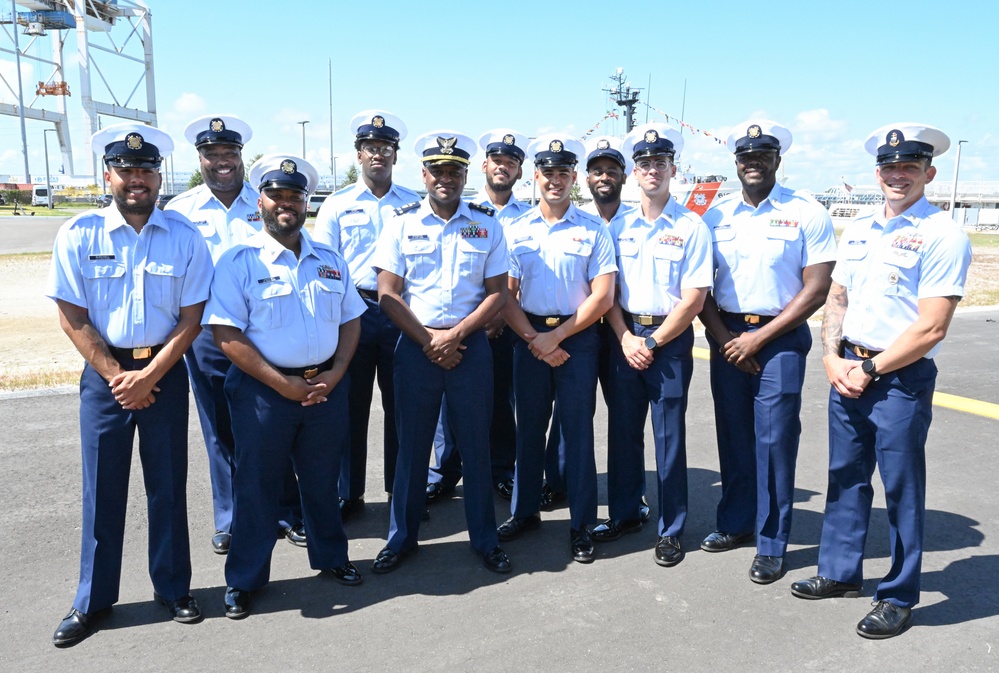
<point>473,245</point>
<point>329,285</point>
<point>670,252</point>
<point>855,250</point>
<point>524,247</point>
<point>108,269</point>
<point>272,290</point>
<point>783,233</point>
<point>418,247</point>
<point>355,220</point>
<point>160,269</point>
<point>903,259</point>
<point>627,248</point>
<point>722,233</point>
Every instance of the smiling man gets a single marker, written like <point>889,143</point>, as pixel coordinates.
<point>899,277</point>
<point>773,252</point>
<point>130,283</point>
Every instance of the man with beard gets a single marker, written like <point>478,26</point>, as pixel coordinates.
<point>284,311</point>
<point>442,267</point>
<point>130,283</point>
<point>562,276</point>
<point>224,209</point>
<point>350,222</point>
<point>503,167</point>
<point>664,261</point>
<point>899,276</point>
<point>774,250</point>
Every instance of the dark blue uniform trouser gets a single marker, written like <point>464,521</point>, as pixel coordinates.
<point>420,386</point>
<point>573,387</point>
<point>502,433</point>
<point>663,387</point>
<point>107,432</point>
<point>887,425</point>
<point>757,421</point>
<point>374,355</point>
<point>268,429</point>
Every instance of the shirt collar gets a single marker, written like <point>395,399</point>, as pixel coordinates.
<point>114,219</point>
<point>272,250</point>
<point>426,211</point>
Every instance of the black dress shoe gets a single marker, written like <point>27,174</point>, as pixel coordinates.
<point>818,587</point>
<point>514,527</point>
<point>350,507</point>
<point>612,530</point>
<point>644,511</point>
<point>496,560</point>
<point>505,488</point>
<point>437,491</point>
<point>766,569</point>
<point>884,621</point>
<point>220,542</point>
<point>550,498</point>
<point>719,541</point>
<point>296,535</point>
<point>237,603</point>
<point>73,628</point>
<point>388,560</point>
<point>184,610</point>
<point>347,574</point>
<point>668,551</point>
<point>581,545</point>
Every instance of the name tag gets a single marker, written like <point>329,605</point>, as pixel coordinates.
<point>101,258</point>
<point>264,281</point>
<point>521,239</point>
<point>417,237</point>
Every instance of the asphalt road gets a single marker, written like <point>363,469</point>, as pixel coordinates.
<point>28,234</point>
<point>443,611</point>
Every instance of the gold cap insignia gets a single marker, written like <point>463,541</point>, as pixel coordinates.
<point>651,136</point>
<point>217,126</point>
<point>894,138</point>
<point>378,121</point>
<point>509,139</point>
<point>133,141</point>
<point>288,166</point>
<point>754,131</point>
<point>555,146</point>
<point>446,144</point>
<point>602,144</point>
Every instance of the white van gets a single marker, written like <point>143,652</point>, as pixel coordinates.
<point>39,195</point>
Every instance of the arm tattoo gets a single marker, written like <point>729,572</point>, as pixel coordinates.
<point>832,319</point>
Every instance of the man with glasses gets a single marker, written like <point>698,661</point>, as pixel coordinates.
<point>664,261</point>
<point>442,269</point>
<point>561,282</point>
<point>224,209</point>
<point>503,167</point>
<point>774,250</point>
<point>351,221</point>
<point>284,311</point>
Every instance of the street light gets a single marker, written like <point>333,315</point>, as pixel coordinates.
<point>953,191</point>
<point>303,137</point>
<point>48,177</point>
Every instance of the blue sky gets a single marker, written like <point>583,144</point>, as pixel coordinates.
<point>831,72</point>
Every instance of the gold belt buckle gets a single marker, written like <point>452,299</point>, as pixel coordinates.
<point>142,353</point>
<point>861,352</point>
<point>551,321</point>
<point>752,319</point>
<point>645,320</point>
<point>310,373</point>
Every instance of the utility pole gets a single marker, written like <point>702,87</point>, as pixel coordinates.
<point>625,96</point>
<point>303,137</point>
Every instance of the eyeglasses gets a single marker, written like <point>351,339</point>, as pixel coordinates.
<point>645,165</point>
<point>375,150</point>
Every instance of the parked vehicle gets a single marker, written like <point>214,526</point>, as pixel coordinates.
<point>163,199</point>
<point>40,195</point>
<point>315,201</point>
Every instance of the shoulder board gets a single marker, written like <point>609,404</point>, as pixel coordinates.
<point>402,210</point>
<point>482,209</point>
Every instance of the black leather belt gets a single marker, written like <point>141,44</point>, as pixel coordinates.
<point>859,351</point>
<point>647,320</point>
<point>307,372</point>
<point>547,320</point>
<point>749,318</point>
<point>370,295</point>
<point>140,353</point>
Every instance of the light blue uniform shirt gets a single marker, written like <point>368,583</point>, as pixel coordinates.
<point>444,264</point>
<point>351,221</point>
<point>556,262</point>
<point>221,227</point>
<point>290,308</point>
<point>657,260</point>
<point>132,285</point>
<point>508,213</point>
<point>759,252</point>
<point>888,266</point>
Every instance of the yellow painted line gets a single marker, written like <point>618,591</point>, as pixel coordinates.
<point>945,400</point>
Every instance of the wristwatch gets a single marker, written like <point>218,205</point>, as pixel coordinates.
<point>869,368</point>
<point>650,343</point>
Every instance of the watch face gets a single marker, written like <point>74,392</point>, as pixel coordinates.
<point>650,343</point>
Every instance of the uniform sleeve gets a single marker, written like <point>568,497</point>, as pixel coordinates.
<point>352,305</point>
<point>227,304</point>
<point>819,237</point>
<point>842,272</point>
<point>944,266</point>
<point>198,276</point>
<point>327,227</point>
<point>388,254</point>
<point>602,258</point>
<point>65,279</point>
<point>697,270</point>
<point>498,259</point>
